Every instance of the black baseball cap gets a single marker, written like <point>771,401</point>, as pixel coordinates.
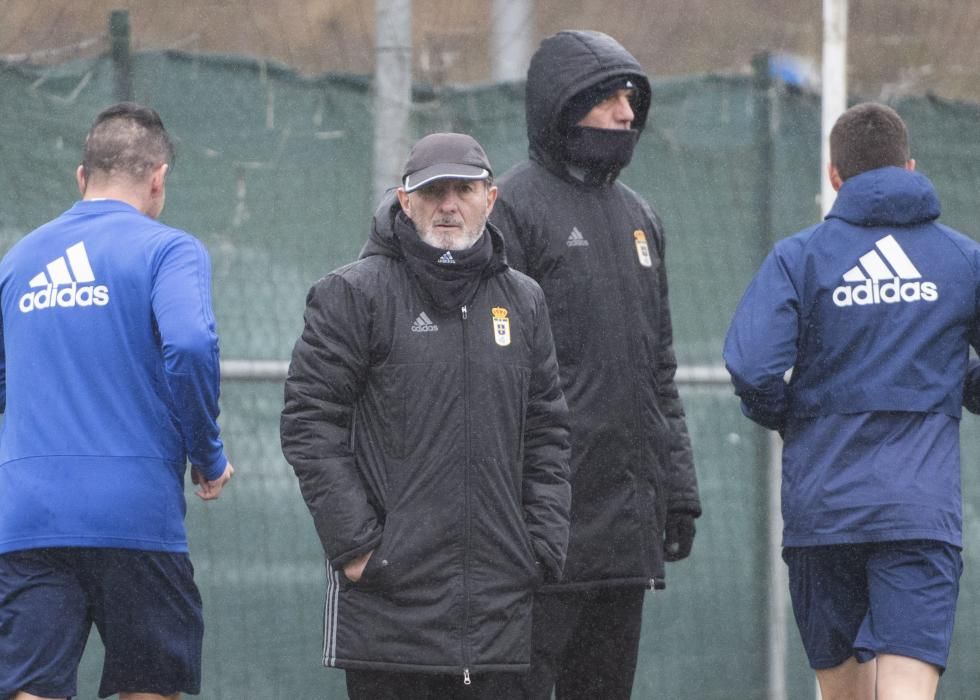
<point>443,156</point>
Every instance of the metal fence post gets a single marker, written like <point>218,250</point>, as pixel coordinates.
<point>120,52</point>
<point>392,91</point>
<point>771,446</point>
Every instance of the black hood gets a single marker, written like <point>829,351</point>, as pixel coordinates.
<point>382,239</point>
<point>564,65</point>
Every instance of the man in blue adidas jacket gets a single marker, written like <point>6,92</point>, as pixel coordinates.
<point>874,311</point>
<point>109,385</point>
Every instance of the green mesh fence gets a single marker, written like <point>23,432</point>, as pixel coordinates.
<point>274,175</point>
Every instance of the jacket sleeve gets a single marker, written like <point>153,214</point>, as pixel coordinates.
<point>326,377</point>
<point>681,477</point>
<point>971,386</point>
<point>547,491</point>
<point>181,303</point>
<point>3,370</point>
<point>761,344</point>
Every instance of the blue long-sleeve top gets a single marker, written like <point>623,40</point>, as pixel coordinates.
<point>109,381</point>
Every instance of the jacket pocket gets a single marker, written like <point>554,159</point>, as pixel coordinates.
<point>530,556</point>
<point>374,575</point>
<point>537,567</point>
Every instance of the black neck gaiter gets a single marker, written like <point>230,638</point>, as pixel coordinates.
<point>449,278</point>
<point>601,153</point>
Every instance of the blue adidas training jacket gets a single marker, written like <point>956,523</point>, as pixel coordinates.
<point>874,309</point>
<point>108,381</point>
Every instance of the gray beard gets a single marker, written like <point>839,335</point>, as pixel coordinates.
<point>451,242</point>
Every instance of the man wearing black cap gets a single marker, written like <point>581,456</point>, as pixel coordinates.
<point>425,421</point>
<point>597,249</point>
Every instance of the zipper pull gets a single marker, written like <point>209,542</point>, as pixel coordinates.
<point>464,312</point>
<point>466,671</point>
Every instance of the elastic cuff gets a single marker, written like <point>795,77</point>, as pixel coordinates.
<point>214,470</point>
<point>689,507</point>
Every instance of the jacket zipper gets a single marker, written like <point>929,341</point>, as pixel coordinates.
<point>466,503</point>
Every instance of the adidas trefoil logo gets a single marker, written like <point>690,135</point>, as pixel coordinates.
<point>423,324</point>
<point>64,284</point>
<point>575,238</point>
<point>885,278</point>
<point>447,259</point>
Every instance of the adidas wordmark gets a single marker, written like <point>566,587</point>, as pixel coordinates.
<point>423,324</point>
<point>64,284</point>
<point>888,278</point>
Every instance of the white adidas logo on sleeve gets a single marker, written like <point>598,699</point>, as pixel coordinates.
<point>64,284</point>
<point>888,278</point>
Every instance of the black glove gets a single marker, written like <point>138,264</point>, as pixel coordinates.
<point>678,535</point>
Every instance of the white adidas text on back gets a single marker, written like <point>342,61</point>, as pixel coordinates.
<point>61,285</point>
<point>884,280</point>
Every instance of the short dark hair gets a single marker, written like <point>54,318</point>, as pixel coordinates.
<point>868,136</point>
<point>127,139</point>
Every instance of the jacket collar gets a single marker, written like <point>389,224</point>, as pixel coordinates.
<point>888,196</point>
<point>383,241</point>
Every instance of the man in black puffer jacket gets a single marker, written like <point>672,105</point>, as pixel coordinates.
<point>425,421</point>
<point>597,249</point>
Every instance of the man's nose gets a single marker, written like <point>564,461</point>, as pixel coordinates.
<point>624,110</point>
<point>449,201</point>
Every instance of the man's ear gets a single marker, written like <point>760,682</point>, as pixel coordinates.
<point>404,200</point>
<point>835,178</point>
<point>158,178</point>
<point>910,164</point>
<point>491,198</point>
<point>81,179</point>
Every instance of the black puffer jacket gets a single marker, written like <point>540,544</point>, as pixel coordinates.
<point>598,253</point>
<point>440,441</point>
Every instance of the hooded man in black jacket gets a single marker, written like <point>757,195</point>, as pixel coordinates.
<point>597,249</point>
<point>425,421</point>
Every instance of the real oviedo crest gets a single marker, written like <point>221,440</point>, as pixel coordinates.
<point>501,326</point>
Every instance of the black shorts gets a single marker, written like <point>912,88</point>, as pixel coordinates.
<point>145,606</point>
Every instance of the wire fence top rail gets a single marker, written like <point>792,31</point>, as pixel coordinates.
<point>275,370</point>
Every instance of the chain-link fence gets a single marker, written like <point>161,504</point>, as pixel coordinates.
<point>273,173</point>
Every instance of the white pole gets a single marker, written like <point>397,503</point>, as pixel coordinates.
<point>834,88</point>
<point>833,102</point>
<point>511,39</point>
<point>778,579</point>
<point>392,91</point>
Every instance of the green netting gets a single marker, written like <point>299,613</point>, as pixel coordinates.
<point>274,175</point>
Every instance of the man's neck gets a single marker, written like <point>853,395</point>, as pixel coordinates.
<point>119,194</point>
